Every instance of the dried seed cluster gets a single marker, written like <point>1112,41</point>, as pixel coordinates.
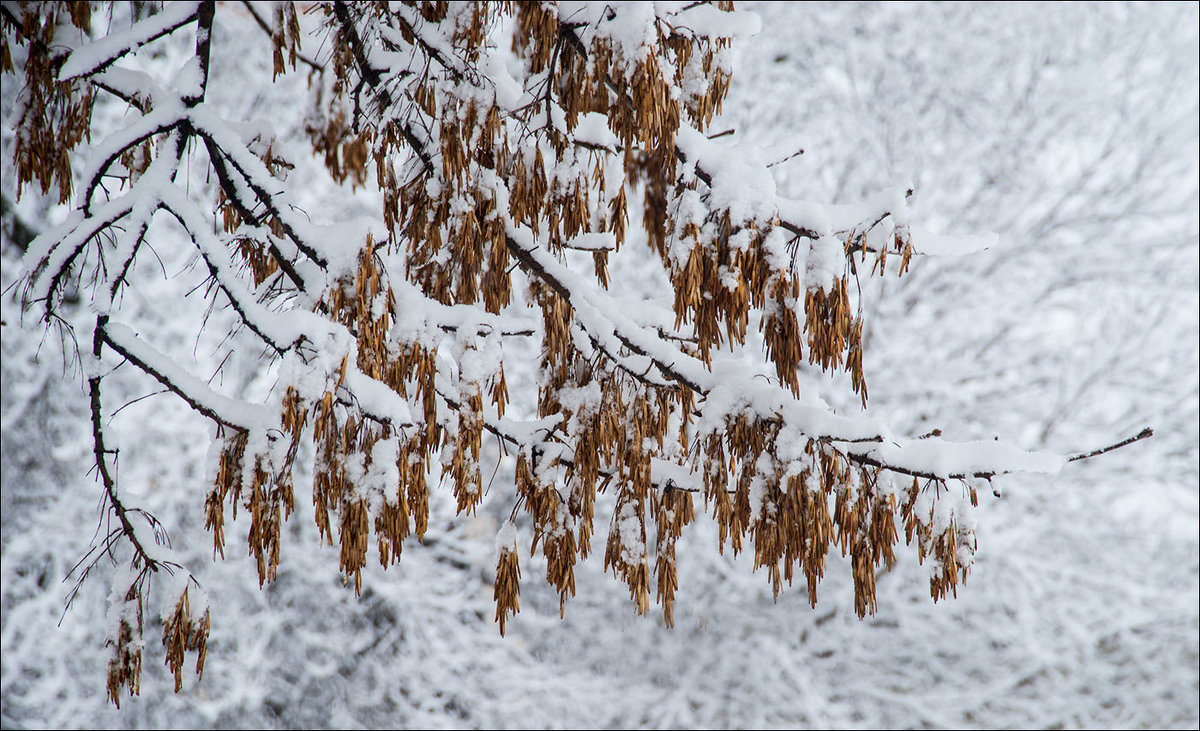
<point>53,116</point>
<point>182,633</point>
<point>125,665</point>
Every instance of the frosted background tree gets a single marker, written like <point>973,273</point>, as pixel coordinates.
<point>335,659</point>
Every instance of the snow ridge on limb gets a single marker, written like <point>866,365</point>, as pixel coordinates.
<point>389,338</point>
<point>98,55</point>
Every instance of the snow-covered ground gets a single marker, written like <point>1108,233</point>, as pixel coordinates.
<point>1070,131</point>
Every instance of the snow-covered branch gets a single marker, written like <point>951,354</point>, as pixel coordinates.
<point>388,343</point>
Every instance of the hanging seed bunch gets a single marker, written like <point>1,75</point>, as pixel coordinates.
<point>53,116</point>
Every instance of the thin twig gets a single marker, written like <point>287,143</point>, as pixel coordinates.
<point>266,29</point>
<point>1143,434</point>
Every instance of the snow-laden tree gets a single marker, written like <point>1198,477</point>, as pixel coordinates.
<point>514,150</point>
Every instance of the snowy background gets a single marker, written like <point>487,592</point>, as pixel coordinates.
<point>1072,131</point>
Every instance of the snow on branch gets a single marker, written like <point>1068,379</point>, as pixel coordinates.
<point>394,339</point>
<point>100,54</point>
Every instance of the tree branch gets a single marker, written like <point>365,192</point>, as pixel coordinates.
<point>267,29</point>
<point>99,451</point>
<point>1143,434</point>
<point>194,392</point>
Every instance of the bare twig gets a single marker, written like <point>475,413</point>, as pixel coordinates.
<point>258,19</point>
<point>1143,434</point>
<point>100,452</point>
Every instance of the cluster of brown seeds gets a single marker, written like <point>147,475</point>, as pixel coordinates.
<point>183,633</point>
<point>55,115</point>
<point>125,665</point>
<point>948,547</point>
